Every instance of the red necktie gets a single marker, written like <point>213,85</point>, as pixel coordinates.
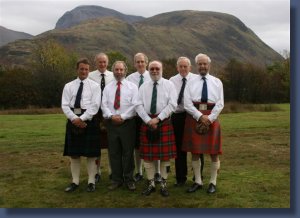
<point>118,96</point>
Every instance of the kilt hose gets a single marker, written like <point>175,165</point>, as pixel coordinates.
<point>85,143</point>
<point>209,143</point>
<point>162,149</point>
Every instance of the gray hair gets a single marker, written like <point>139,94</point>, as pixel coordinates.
<point>138,54</point>
<point>202,55</point>
<point>101,54</point>
<point>184,58</point>
<point>119,62</point>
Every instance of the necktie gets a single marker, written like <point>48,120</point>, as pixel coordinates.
<point>141,80</point>
<point>102,82</point>
<point>78,96</point>
<point>153,99</point>
<point>204,91</point>
<point>181,91</point>
<point>117,96</point>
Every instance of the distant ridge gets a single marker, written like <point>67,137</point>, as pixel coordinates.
<point>87,12</point>
<point>8,35</point>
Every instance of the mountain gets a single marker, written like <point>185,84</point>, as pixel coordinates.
<point>7,35</point>
<point>83,13</point>
<point>164,36</point>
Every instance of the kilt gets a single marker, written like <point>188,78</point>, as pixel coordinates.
<point>209,143</point>
<point>86,143</point>
<point>102,129</point>
<point>164,148</point>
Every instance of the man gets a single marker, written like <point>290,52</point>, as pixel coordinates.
<point>118,106</point>
<point>80,102</point>
<point>178,118</point>
<point>156,101</point>
<point>138,78</point>
<point>102,76</point>
<point>204,101</point>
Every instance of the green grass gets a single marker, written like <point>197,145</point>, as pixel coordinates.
<point>255,167</point>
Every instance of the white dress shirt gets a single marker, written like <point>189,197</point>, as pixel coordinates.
<point>135,77</point>
<point>90,99</point>
<point>128,99</point>
<point>215,95</point>
<point>96,76</point>
<point>166,99</point>
<point>177,81</point>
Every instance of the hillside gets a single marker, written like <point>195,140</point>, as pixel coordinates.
<point>167,35</point>
<point>88,12</point>
<point>7,35</point>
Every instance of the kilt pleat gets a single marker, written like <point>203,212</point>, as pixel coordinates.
<point>164,148</point>
<point>85,144</point>
<point>209,143</point>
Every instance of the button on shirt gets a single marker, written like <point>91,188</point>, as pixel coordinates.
<point>90,99</point>
<point>166,99</point>
<point>96,76</point>
<point>128,99</point>
<point>215,95</point>
<point>177,81</point>
<point>135,77</point>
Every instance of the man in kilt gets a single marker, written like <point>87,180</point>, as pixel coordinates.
<point>118,106</point>
<point>80,102</point>
<point>102,76</point>
<point>157,100</point>
<point>138,78</point>
<point>204,101</point>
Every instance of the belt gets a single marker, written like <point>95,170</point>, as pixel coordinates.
<point>78,111</point>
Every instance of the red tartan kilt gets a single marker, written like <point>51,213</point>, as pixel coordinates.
<point>164,148</point>
<point>209,143</point>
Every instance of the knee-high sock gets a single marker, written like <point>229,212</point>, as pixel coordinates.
<point>150,170</point>
<point>91,169</point>
<point>196,164</point>
<point>75,170</point>
<point>214,167</point>
<point>138,162</point>
<point>163,169</point>
<point>157,166</point>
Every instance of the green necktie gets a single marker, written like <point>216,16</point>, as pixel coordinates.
<point>153,99</point>
<point>141,80</point>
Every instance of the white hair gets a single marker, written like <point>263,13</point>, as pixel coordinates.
<point>201,56</point>
<point>184,58</point>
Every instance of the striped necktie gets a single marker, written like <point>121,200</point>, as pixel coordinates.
<point>118,96</point>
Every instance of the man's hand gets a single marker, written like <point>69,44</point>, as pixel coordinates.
<point>153,123</point>
<point>117,120</point>
<point>204,119</point>
<point>79,123</point>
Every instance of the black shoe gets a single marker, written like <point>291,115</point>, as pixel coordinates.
<point>97,178</point>
<point>194,188</point>
<point>179,184</point>
<point>138,177</point>
<point>164,191</point>
<point>157,178</point>
<point>149,190</point>
<point>72,187</point>
<point>114,186</point>
<point>131,186</point>
<point>211,188</point>
<point>91,187</point>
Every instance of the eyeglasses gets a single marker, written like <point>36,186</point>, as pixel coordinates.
<point>155,68</point>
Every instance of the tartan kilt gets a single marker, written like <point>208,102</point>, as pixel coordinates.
<point>165,147</point>
<point>102,129</point>
<point>209,143</point>
<point>86,143</point>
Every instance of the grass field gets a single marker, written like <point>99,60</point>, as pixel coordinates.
<point>255,167</point>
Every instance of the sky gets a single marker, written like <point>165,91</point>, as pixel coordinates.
<point>269,19</point>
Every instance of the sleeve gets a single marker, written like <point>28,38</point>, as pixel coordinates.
<point>140,106</point>
<point>219,105</point>
<point>172,102</point>
<point>94,104</point>
<point>65,103</point>
<point>130,112</point>
<point>188,103</point>
<point>104,106</point>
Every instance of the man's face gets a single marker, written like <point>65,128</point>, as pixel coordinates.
<point>140,63</point>
<point>102,63</point>
<point>83,71</point>
<point>203,66</point>
<point>119,71</point>
<point>183,67</point>
<point>155,70</point>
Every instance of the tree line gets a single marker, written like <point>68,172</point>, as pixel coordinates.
<point>41,84</point>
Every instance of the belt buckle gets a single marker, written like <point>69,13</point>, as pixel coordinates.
<point>203,107</point>
<point>77,111</point>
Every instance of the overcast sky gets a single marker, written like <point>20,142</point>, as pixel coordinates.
<point>269,19</point>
